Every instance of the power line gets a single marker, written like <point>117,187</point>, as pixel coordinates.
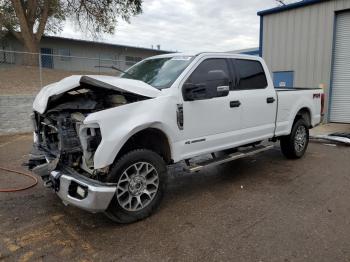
<point>281,2</point>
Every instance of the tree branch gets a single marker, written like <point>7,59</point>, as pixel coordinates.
<point>43,20</point>
<point>27,34</point>
<point>32,6</point>
<point>16,34</point>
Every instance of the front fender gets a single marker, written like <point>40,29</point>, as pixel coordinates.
<point>109,148</point>
<point>119,124</point>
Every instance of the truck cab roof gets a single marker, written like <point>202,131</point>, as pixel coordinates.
<point>241,56</point>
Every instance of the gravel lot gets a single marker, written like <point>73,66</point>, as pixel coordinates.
<point>263,208</point>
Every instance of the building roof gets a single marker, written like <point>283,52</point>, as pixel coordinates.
<point>104,43</point>
<point>248,51</point>
<point>289,7</point>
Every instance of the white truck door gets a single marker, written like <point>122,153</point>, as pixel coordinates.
<point>210,124</point>
<point>258,101</point>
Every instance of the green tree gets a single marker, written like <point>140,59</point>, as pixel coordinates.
<point>28,20</point>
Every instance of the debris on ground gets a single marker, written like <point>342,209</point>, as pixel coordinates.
<point>341,134</point>
<point>343,138</point>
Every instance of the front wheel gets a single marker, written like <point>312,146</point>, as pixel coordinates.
<point>140,176</point>
<point>294,145</point>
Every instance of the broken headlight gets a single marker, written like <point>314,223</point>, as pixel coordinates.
<point>90,138</point>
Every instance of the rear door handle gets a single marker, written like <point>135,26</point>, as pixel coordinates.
<point>270,100</point>
<point>235,103</point>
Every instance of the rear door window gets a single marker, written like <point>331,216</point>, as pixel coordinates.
<point>251,74</point>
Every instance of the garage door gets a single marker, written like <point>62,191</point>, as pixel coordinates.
<point>340,96</point>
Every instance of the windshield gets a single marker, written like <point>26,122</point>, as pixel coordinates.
<point>158,72</point>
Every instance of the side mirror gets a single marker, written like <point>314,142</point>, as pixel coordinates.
<point>223,90</point>
<point>192,91</point>
<point>220,80</point>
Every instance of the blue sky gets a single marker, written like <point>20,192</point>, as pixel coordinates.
<point>183,25</point>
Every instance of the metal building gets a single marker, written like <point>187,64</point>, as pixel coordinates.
<point>76,54</point>
<point>307,44</point>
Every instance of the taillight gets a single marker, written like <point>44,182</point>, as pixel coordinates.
<point>322,104</point>
<point>317,96</point>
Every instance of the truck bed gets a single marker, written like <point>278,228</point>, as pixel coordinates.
<point>290,101</point>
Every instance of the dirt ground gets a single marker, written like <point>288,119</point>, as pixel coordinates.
<point>263,208</point>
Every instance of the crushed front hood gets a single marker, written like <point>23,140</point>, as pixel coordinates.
<point>108,82</point>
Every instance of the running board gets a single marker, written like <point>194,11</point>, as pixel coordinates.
<point>195,167</point>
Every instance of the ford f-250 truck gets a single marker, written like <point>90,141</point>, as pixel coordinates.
<point>103,143</point>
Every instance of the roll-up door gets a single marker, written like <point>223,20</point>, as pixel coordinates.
<point>340,90</point>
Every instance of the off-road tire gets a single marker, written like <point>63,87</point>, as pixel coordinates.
<point>115,211</point>
<point>288,143</point>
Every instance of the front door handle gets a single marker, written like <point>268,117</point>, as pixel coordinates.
<point>270,100</point>
<point>235,103</point>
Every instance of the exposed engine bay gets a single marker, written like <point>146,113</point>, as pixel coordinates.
<point>62,139</point>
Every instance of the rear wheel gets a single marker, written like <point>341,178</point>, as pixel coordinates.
<point>294,145</point>
<point>140,176</point>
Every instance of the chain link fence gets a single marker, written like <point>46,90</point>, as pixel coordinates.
<point>23,74</point>
<point>27,73</point>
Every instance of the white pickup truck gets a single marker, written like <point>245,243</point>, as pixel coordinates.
<point>103,143</point>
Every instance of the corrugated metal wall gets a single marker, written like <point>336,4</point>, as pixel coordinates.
<point>340,98</point>
<point>301,40</point>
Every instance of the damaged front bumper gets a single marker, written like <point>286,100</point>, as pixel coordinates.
<point>77,190</point>
<point>73,188</point>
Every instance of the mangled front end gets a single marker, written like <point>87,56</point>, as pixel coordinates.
<point>64,147</point>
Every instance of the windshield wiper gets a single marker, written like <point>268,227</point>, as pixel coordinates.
<point>118,69</point>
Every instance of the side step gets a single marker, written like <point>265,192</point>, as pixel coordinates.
<point>195,167</point>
